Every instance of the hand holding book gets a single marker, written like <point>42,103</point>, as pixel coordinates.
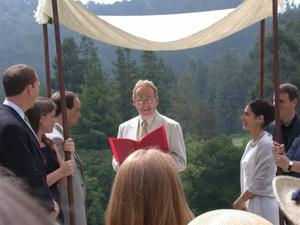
<point>123,147</point>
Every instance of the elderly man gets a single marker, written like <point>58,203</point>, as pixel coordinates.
<point>19,146</point>
<point>145,100</point>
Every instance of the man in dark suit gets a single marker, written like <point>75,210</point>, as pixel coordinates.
<point>290,128</point>
<point>290,122</point>
<point>19,147</point>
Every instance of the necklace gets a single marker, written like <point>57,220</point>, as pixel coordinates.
<point>255,141</point>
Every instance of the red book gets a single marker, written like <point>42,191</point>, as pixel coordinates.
<point>123,147</point>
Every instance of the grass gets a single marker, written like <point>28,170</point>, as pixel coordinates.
<point>239,140</point>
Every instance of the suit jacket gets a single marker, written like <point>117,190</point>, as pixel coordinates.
<point>294,155</point>
<point>294,133</point>
<point>177,150</point>
<point>79,191</point>
<point>20,152</point>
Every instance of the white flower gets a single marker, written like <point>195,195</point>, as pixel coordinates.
<point>40,14</point>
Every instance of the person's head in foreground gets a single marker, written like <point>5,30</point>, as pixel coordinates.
<point>147,191</point>
<point>229,217</point>
<point>17,208</point>
<point>287,193</point>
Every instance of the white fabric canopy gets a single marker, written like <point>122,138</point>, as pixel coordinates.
<point>158,32</point>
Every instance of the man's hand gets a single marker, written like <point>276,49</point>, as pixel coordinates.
<point>282,161</point>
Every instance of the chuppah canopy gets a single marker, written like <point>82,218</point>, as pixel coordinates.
<point>158,32</point>
<point>221,25</point>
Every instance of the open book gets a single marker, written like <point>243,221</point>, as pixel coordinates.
<point>123,147</point>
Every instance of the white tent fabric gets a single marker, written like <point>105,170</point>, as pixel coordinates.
<point>158,32</point>
<point>166,28</point>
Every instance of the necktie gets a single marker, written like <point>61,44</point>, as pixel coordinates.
<point>143,129</point>
<point>27,121</point>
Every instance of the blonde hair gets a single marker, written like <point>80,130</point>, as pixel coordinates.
<point>147,191</point>
<point>146,83</point>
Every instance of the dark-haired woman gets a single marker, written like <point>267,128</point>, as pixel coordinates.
<point>41,118</point>
<point>257,164</point>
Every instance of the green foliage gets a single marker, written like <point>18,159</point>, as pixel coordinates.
<point>211,179</point>
<point>227,92</point>
<point>199,72</point>
<point>240,140</point>
<point>72,64</point>
<point>98,179</point>
<point>125,74</point>
<point>194,114</point>
<point>99,118</point>
<point>152,68</point>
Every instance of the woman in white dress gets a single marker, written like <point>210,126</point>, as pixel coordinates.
<point>257,164</point>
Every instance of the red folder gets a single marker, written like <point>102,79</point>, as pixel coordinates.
<point>123,147</point>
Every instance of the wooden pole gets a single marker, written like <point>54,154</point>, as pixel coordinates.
<point>47,61</point>
<point>262,60</point>
<point>276,72</point>
<point>63,102</point>
<point>277,135</point>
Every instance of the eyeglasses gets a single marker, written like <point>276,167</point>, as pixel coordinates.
<point>142,100</point>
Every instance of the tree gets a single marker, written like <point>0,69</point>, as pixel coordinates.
<point>289,68</point>
<point>99,116</point>
<point>99,175</point>
<point>227,92</point>
<point>194,114</point>
<point>73,73</point>
<point>153,69</point>
<point>125,74</point>
<point>211,179</point>
<point>199,72</point>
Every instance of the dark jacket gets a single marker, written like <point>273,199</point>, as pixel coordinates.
<point>20,152</point>
<point>295,132</point>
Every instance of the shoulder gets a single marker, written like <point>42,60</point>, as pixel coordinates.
<point>296,144</point>
<point>265,144</point>
<point>10,120</point>
<point>168,120</point>
<point>129,122</point>
<point>7,114</point>
<point>297,120</point>
<point>267,139</point>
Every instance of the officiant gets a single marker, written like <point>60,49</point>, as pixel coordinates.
<point>145,100</point>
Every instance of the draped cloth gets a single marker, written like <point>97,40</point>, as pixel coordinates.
<point>158,32</point>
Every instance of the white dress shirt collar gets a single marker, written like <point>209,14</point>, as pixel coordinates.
<point>15,107</point>
<point>20,112</point>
